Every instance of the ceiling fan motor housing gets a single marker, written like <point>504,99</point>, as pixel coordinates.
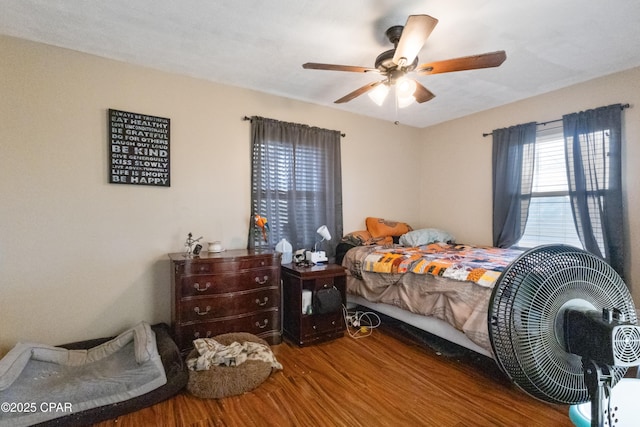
<point>384,63</point>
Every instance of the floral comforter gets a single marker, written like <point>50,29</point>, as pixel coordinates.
<point>481,265</point>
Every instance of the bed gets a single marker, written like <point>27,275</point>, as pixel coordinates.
<point>425,279</point>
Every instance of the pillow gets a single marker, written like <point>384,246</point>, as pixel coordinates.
<point>379,227</point>
<point>364,238</point>
<point>425,236</point>
<point>357,238</point>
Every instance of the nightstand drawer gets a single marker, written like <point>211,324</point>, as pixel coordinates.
<point>325,282</point>
<point>228,304</point>
<point>312,325</point>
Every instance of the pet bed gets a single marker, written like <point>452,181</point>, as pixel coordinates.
<point>144,350</point>
<point>224,381</point>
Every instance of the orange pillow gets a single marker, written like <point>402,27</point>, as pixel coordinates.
<point>379,227</point>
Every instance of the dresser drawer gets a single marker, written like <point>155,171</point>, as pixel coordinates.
<point>209,284</point>
<point>201,267</point>
<point>262,323</point>
<point>228,304</point>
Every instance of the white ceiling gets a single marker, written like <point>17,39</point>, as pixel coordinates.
<point>262,45</point>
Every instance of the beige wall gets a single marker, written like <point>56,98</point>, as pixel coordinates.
<point>456,160</point>
<point>82,258</point>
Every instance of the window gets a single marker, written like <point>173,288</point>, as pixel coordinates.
<point>296,183</point>
<point>542,180</point>
<point>550,218</point>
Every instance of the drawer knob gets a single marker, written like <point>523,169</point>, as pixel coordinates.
<point>202,313</point>
<point>263,302</point>
<point>262,326</point>
<point>199,289</point>
<point>263,281</point>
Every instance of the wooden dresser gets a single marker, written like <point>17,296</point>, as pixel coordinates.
<point>230,291</point>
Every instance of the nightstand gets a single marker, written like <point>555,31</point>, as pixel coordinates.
<point>304,328</point>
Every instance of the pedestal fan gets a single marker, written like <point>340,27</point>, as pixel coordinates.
<point>562,326</point>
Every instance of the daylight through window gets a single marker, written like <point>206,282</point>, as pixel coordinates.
<point>550,218</point>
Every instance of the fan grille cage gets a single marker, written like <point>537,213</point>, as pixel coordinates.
<point>523,318</point>
<point>626,341</point>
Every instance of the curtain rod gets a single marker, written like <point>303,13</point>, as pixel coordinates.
<point>247,118</point>
<point>622,107</point>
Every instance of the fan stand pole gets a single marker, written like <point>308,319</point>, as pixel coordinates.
<point>596,377</point>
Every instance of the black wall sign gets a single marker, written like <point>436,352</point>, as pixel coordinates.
<point>138,149</point>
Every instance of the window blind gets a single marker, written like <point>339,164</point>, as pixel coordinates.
<point>550,218</point>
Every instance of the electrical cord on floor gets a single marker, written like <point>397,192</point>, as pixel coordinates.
<point>360,324</point>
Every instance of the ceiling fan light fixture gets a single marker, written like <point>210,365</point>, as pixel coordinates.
<point>405,101</point>
<point>379,94</point>
<point>405,87</point>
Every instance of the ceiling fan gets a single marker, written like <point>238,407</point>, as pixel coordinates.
<point>395,64</point>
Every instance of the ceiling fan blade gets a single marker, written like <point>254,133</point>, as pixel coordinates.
<point>422,94</point>
<point>356,93</point>
<point>485,60</point>
<point>334,67</point>
<point>414,35</point>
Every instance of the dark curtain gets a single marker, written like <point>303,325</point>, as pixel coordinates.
<point>513,161</point>
<point>593,147</point>
<point>296,183</point>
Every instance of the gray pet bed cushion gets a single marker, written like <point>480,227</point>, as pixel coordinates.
<point>93,381</point>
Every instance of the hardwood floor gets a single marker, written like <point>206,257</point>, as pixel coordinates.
<point>390,378</point>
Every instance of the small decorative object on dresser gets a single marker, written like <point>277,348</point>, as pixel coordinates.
<point>192,245</point>
<point>315,323</point>
<point>221,292</point>
<point>215,246</point>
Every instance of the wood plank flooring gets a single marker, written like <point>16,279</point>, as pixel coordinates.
<point>391,378</point>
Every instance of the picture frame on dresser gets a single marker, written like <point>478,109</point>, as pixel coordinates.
<point>235,290</point>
